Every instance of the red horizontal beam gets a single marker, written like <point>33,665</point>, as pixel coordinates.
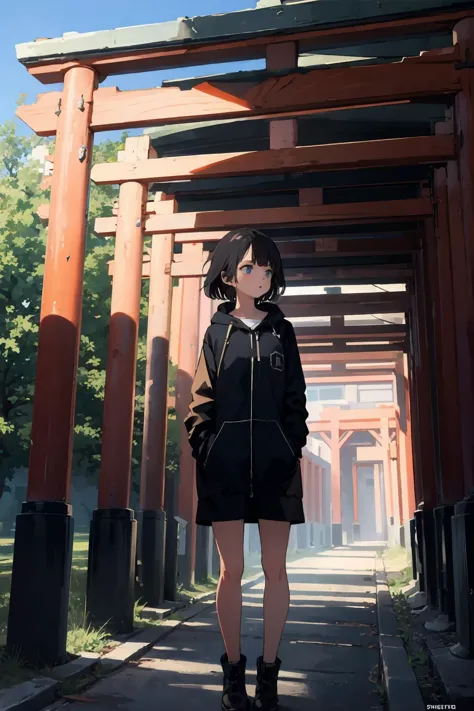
<point>287,95</point>
<point>374,356</point>
<point>347,213</point>
<point>333,156</point>
<point>350,350</point>
<point>354,425</point>
<point>307,333</point>
<point>348,379</point>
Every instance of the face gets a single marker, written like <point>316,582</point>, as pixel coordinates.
<point>251,279</point>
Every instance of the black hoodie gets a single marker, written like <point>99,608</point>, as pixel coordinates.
<point>247,418</point>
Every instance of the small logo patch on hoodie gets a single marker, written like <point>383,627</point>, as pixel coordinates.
<point>277,361</point>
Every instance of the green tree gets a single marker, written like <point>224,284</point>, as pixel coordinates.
<point>22,247</point>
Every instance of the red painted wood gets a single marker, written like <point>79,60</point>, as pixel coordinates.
<point>463,37</point>
<point>438,250</point>
<point>355,491</point>
<point>155,425</point>
<point>335,468</point>
<point>61,307</point>
<point>294,94</point>
<point>119,397</point>
<point>284,157</point>
<point>425,463</point>
<point>187,362</point>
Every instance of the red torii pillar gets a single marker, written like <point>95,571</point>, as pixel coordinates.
<point>355,500</point>
<point>37,624</point>
<point>378,502</point>
<point>113,534</point>
<point>187,362</point>
<point>426,468</point>
<point>152,539</point>
<point>203,533</point>
<point>463,519</point>
<point>336,520</point>
<point>171,478</point>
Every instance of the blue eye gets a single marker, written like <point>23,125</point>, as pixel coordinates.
<point>249,268</point>
<point>268,273</point>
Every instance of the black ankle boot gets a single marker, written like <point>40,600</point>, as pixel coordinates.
<point>266,696</point>
<point>234,696</point>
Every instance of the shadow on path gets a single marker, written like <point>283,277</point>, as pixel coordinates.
<point>329,648</point>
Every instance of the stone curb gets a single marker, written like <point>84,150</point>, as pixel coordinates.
<point>35,694</point>
<point>29,695</point>
<point>403,692</point>
<point>456,675</point>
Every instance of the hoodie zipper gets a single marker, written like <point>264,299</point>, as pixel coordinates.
<point>251,416</point>
<point>258,345</point>
<point>226,341</point>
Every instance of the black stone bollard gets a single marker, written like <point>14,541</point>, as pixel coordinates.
<point>444,559</point>
<point>152,557</point>
<point>111,569</point>
<point>462,525</point>
<point>39,601</point>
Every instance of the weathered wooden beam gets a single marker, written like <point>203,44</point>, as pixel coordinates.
<point>363,378</point>
<point>312,311</point>
<point>292,94</point>
<point>349,350</point>
<point>373,357</point>
<point>245,48</point>
<point>335,156</point>
<point>392,211</point>
<point>359,333</point>
<point>354,425</point>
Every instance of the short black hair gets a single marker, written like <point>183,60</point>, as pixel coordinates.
<point>228,254</point>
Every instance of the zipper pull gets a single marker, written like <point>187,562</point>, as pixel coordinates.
<point>258,345</point>
<point>251,345</point>
<point>275,333</point>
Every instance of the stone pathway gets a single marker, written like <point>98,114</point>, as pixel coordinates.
<point>329,649</point>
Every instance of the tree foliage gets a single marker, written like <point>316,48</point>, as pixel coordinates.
<point>22,249</point>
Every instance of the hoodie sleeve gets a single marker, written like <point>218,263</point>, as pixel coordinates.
<point>200,421</point>
<point>294,406</point>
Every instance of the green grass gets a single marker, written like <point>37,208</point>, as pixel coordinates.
<point>396,583</point>
<point>81,637</point>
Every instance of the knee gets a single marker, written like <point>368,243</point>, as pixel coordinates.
<point>232,571</point>
<point>274,571</point>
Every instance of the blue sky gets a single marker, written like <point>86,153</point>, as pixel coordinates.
<point>26,20</point>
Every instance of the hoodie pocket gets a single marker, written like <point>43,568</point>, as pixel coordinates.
<point>275,462</point>
<point>227,465</point>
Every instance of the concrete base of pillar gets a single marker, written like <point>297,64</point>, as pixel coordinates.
<point>302,541</point>
<point>216,562</point>
<point>37,622</point>
<point>393,535</point>
<point>151,549</point>
<point>171,559</point>
<point>111,569</point>
<point>202,553</point>
<point>439,624</point>
<point>429,557</point>
<point>336,534</point>
<point>356,532</point>
<point>462,525</point>
<point>418,549</point>
<point>444,560</point>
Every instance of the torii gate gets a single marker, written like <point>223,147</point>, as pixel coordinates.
<point>38,625</point>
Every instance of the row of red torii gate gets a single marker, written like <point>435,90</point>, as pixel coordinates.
<point>394,210</point>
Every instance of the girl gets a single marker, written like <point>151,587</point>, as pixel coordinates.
<point>247,428</point>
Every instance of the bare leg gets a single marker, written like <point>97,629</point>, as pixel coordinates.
<point>229,537</point>
<point>274,537</point>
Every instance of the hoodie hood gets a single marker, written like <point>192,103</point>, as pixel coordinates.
<point>271,315</point>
